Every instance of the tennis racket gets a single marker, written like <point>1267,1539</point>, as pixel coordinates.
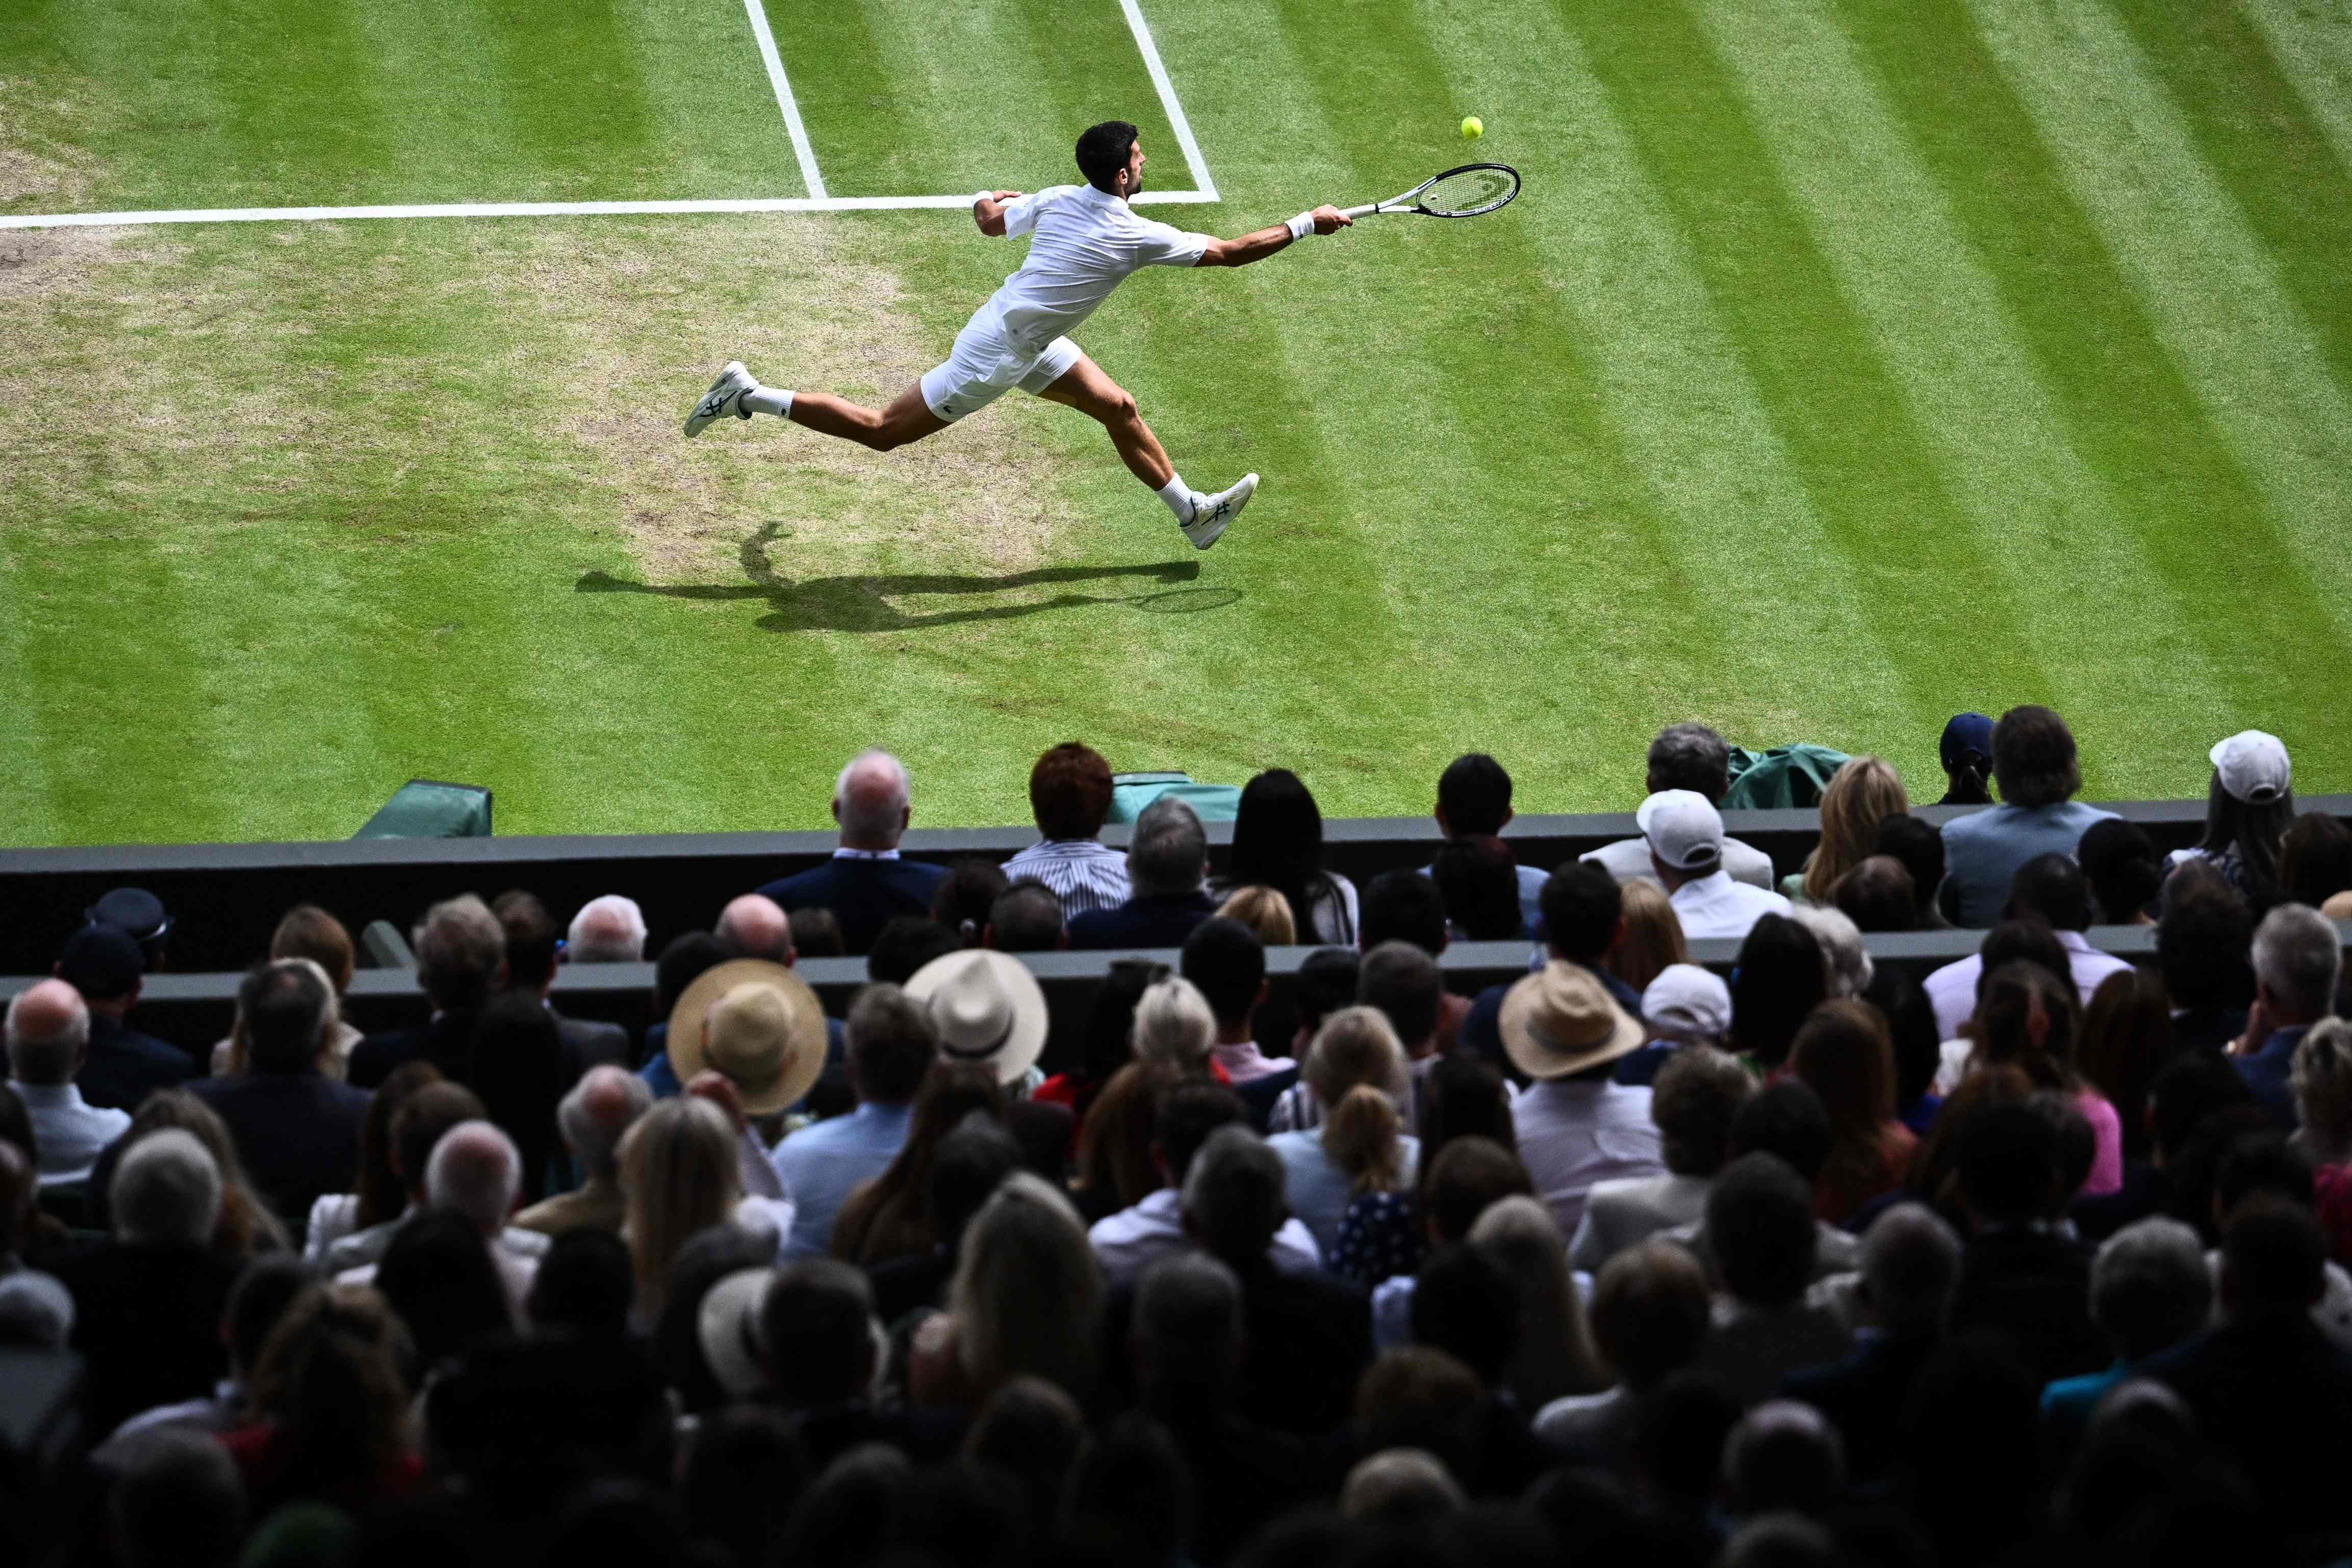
<point>1468,192</point>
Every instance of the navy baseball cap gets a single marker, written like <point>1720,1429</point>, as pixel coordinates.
<point>1967,732</point>
<point>131,909</point>
<point>101,962</point>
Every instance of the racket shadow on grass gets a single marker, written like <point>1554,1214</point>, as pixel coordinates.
<point>864,603</point>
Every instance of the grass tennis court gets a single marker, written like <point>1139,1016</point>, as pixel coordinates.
<point>1846,363</point>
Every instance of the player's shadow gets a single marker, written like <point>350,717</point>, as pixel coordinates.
<point>864,603</point>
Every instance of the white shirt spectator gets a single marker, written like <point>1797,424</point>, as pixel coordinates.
<point>1134,1238</point>
<point>1628,859</point>
<point>1628,1212</point>
<point>1953,989</point>
<point>1085,874</point>
<point>1718,906</point>
<point>1574,1133</point>
<point>70,1131</point>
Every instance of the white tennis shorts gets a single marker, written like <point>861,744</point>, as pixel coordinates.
<point>984,365</point>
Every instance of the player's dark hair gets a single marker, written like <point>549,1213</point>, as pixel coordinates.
<point>1102,152</point>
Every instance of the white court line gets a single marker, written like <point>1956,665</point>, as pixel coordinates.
<point>784,99</point>
<point>1176,120</point>
<point>531,210</point>
<point>817,201</point>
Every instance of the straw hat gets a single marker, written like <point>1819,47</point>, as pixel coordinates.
<point>1559,1020</point>
<point>987,1006</point>
<point>758,1024</point>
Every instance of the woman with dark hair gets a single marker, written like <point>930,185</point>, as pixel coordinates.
<point>2127,1041</point>
<point>380,1194</point>
<point>2315,859</point>
<point>1778,982</point>
<point>965,897</point>
<point>332,1389</point>
<point>884,1218</point>
<point>1917,1043</point>
<point>1844,1054</point>
<point>2028,1018</point>
<point>1278,843</point>
<point>1115,1169</point>
<point>437,1275</point>
<point>2120,862</point>
<point>2248,808</point>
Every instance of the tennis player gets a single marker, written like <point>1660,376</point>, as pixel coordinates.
<point>1087,239</point>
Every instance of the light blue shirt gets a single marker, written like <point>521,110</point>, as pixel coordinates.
<point>1318,1190</point>
<point>822,1163</point>
<point>70,1133</point>
<point>1983,850</point>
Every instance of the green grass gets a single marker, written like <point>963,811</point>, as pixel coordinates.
<point>1847,363</point>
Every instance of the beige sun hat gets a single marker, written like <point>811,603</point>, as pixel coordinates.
<point>756,1023</point>
<point>1559,1020</point>
<point>987,1008</point>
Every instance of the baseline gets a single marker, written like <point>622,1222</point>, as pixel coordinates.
<point>534,209</point>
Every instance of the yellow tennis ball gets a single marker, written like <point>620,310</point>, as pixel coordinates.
<point>1471,128</point>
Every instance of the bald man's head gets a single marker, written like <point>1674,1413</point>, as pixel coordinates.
<point>759,928</point>
<point>869,801</point>
<point>48,1032</point>
<point>599,1109</point>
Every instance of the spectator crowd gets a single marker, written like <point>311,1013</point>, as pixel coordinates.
<point>2041,1257</point>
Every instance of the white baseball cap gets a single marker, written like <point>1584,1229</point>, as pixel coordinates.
<point>2252,767</point>
<point>1684,829</point>
<point>1686,1002</point>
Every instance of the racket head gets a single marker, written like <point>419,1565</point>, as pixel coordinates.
<point>1468,190</point>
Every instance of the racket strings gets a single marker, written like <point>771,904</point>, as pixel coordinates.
<point>1469,190</point>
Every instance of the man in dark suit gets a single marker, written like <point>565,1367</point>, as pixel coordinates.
<point>297,1130</point>
<point>865,884</point>
<point>533,949</point>
<point>123,1066</point>
<point>1307,1335</point>
<point>2267,1388</point>
<point>1167,870</point>
<point>461,957</point>
<point>1910,1264</point>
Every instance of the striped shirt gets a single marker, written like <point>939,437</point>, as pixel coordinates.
<point>1087,875</point>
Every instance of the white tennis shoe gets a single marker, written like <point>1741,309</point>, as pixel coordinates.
<point>1212,515</point>
<point>725,397</point>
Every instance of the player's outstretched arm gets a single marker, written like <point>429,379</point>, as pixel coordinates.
<point>1325,219</point>
<point>988,212</point>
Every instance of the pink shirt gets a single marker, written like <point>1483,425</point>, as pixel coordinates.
<point>2107,1165</point>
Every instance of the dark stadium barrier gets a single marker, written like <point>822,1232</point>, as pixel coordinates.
<point>227,898</point>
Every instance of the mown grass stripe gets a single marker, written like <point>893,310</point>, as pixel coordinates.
<point>2126,400</point>
<point>1874,477</point>
<point>2311,41</point>
<point>2037,509</point>
<point>2291,187</point>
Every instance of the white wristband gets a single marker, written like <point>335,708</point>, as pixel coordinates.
<point>1302,226</point>
<point>983,196</point>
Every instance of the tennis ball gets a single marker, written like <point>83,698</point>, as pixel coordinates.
<point>1471,128</point>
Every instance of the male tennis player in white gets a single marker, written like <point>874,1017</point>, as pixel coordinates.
<point>1086,240</point>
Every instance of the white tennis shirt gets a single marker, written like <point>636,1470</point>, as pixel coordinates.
<point>1086,243</point>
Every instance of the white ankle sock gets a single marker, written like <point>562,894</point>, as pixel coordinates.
<point>1178,496</point>
<point>770,399</point>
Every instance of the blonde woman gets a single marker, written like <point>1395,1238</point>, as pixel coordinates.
<point>1175,1024</point>
<point>1265,912</point>
<point>679,1174</point>
<point>1865,792</point>
<point>1023,1303</point>
<point>1653,935</point>
<point>1356,1070</point>
<point>1556,1355</point>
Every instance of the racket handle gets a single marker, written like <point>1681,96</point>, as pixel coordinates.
<point>1363,212</point>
